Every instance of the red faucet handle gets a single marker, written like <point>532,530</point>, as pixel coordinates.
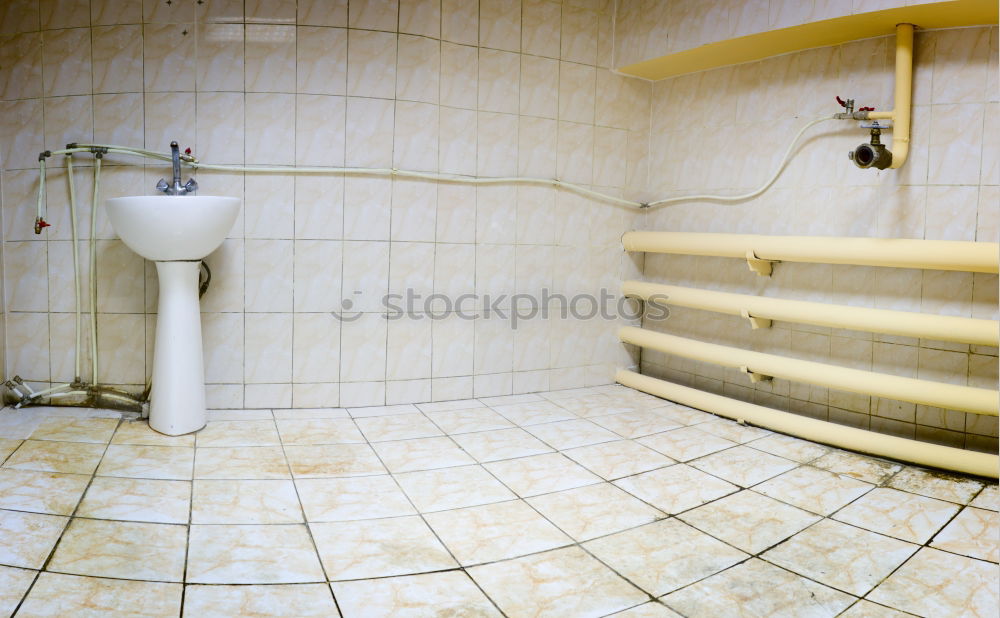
<point>187,151</point>
<point>842,102</point>
<point>866,109</point>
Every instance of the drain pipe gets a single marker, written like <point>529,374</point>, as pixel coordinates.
<point>873,154</point>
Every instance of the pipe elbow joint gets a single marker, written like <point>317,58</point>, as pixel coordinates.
<point>871,155</point>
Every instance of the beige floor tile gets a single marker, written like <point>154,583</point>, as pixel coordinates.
<point>238,433</point>
<point>756,588</point>
<point>648,610</point>
<point>397,427</point>
<point>501,444</point>
<point>41,492</point>
<point>308,413</point>
<point>541,474</point>
<point>841,556</point>
<point>861,467</point>
<point>596,510</point>
<point>244,502</point>
<point>743,466</point>
<point>55,594</point>
<point>272,554</point>
<point>988,498</point>
<point>936,583</point>
<point>370,411</point>
<point>70,429</point>
<point>319,431</point>
<point>676,488</point>
<point>349,499</point>
<point>331,460</point>
<point>686,443</point>
<point>421,454</point>
<point>379,548</point>
<point>587,407</point>
<point>972,533</point>
<point>8,446</point>
<point>454,404</point>
<point>896,513</point>
<point>534,413</point>
<point>291,600</point>
<point>571,434</point>
<point>150,462</point>
<point>636,424</point>
<point>493,532</point>
<point>934,484</point>
<point>733,431</point>
<point>613,460</point>
<point>122,550</point>
<point>468,421</point>
<point>814,489</point>
<point>433,594</point>
<point>139,432</point>
<point>27,538</point>
<point>749,521</point>
<point>240,415</point>
<point>562,582</point>
<point>67,457</point>
<point>256,462</point>
<point>13,584</point>
<point>788,447</point>
<point>452,488</point>
<point>146,500</point>
<point>684,415</point>
<point>663,556</point>
<point>867,609</point>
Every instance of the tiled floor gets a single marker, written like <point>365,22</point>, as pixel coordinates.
<point>591,502</point>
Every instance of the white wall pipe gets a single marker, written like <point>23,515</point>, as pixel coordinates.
<point>939,394</point>
<point>873,443</point>
<point>93,270</point>
<point>902,323</point>
<point>979,257</point>
<point>76,263</point>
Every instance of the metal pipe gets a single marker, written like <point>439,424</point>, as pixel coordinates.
<point>824,432</point>
<point>903,323</point>
<point>949,396</point>
<point>902,105</point>
<point>979,257</point>
<point>93,270</point>
<point>76,265</point>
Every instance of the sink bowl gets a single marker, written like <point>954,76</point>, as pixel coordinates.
<point>176,232</point>
<point>167,228</point>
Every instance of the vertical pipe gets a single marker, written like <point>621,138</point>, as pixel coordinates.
<point>76,262</point>
<point>904,95</point>
<point>93,269</point>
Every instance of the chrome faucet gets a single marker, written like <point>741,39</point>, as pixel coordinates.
<point>176,188</point>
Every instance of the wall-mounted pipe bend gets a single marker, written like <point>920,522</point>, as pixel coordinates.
<point>902,323</point>
<point>824,432</point>
<point>938,394</point>
<point>978,257</point>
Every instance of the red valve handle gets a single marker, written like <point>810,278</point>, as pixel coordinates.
<point>842,102</point>
<point>42,223</point>
<point>187,151</point>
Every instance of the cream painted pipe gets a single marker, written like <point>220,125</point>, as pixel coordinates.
<point>903,323</point>
<point>939,394</point>
<point>903,103</point>
<point>978,257</point>
<point>873,443</point>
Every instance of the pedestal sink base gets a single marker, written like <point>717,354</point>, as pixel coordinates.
<point>177,399</point>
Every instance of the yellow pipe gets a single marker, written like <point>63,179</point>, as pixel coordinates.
<point>904,95</point>
<point>903,323</point>
<point>902,449</point>
<point>978,257</point>
<point>939,394</point>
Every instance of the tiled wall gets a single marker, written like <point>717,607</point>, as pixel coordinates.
<point>646,29</point>
<point>498,87</point>
<point>948,189</point>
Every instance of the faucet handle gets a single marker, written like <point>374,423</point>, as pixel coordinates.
<point>190,186</point>
<point>162,186</point>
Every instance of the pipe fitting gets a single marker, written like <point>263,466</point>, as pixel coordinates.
<point>873,154</point>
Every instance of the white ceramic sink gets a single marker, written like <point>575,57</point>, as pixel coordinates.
<point>166,228</point>
<point>176,232</point>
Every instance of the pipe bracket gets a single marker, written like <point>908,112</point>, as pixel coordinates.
<point>756,377</point>
<point>755,322</point>
<point>764,268</point>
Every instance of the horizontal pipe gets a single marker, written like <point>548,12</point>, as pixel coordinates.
<point>902,323</point>
<point>939,394</point>
<point>851,438</point>
<point>979,257</point>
